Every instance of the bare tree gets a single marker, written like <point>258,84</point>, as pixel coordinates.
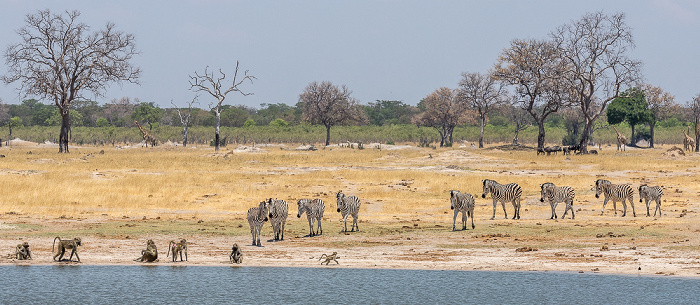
<point>5,117</point>
<point>535,68</point>
<point>694,114</point>
<point>208,83</point>
<point>595,50</point>
<point>520,118</point>
<point>330,105</point>
<point>661,105</point>
<point>444,112</point>
<point>185,118</point>
<point>59,58</point>
<point>481,92</point>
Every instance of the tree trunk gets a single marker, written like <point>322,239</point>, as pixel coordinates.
<point>482,122</point>
<point>697,134</point>
<point>587,127</point>
<point>451,131</point>
<point>184,137</point>
<point>218,127</point>
<point>633,143</point>
<point>517,131</point>
<point>540,134</point>
<point>328,134</point>
<point>65,132</point>
<point>651,131</point>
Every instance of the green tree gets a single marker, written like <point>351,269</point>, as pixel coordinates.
<point>631,107</point>
<point>14,122</point>
<point>249,123</point>
<point>56,119</point>
<point>147,113</point>
<point>389,112</point>
<point>270,112</point>
<point>102,122</point>
<point>279,123</point>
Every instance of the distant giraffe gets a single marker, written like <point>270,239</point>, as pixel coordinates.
<point>147,137</point>
<point>621,139</point>
<point>688,141</point>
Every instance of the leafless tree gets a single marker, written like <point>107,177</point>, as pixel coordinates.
<point>535,68</point>
<point>444,112</point>
<point>595,50</point>
<point>211,84</point>
<point>185,118</point>
<point>60,58</point>
<point>330,105</point>
<point>694,114</point>
<point>481,92</point>
<point>5,117</point>
<point>661,105</point>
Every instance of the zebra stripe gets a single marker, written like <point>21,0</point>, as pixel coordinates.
<point>257,216</point>
<point>279,211</point>
<point>462,202</point>
<point>651,193</point>
<point>555,194</point>
<point>314,212</point>
<point>348,206</point>
<point>503,193</point>
<point>615,192</point>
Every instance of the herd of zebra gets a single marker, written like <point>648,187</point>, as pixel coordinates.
<point>277,210</point>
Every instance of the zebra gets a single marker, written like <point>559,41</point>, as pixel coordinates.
<point>554,194</point>
<point>278,216</point>
<point>257,216</point>
<point>348,206</point>
<point>314,212</point>
<point>462,202</point>
<point>504,193</point>
<point>615,192</point>
<point>651,193</point>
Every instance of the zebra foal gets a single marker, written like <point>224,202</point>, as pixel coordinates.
<point>279,211</point>
<point>615,192</point>
<point>348,205</point>
<point>503,193</point>
<point>555,194</point>
<point>314,212</point>
<point>462,202</point>
<point>651,193</point>
<point>257,216</point>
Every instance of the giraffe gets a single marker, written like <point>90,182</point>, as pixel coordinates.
<point>621,140</point>
<point>147,137</point>
<point>688,141</point>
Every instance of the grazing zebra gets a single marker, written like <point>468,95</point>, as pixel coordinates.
<point>651,193</point>
<point>510,192</point>
<point>615,192</point>
<point>314,212</point>
<point>462,202</point>
<point>555,194</point>
<point>278,216</point>
<point>257,216</point>
<point>348,206</point>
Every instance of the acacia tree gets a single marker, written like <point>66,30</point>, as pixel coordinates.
<point>661,105</point>
<point>185,118</point>
<point>60,58</point>
<point>208,83</point>
<point>481,92</point>
<point>444,112</point>
<point>330,105</point>
<point>535,68</point>
<point>595,51</point>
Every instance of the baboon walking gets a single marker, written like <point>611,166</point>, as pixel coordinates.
<point>150,254</point>
<point>64,244</point>
<point>22,252</point>
<point>236,256</point>
<point>329,258</point>
<point>177,248</point>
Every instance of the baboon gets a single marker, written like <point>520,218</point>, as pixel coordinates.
<point>236,256</point>
<point>150,254</point>
<point>177,248</point>
<point>22,252</point>
<point>64,244</point>
<point>329,258</point>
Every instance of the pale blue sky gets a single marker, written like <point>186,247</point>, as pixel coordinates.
<point>382,49</point>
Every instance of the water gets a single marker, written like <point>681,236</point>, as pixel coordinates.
<point>266,285</point>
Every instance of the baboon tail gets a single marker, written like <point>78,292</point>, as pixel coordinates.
<point>54,243</point>
<point>322,256</point>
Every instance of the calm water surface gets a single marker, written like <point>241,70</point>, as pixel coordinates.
<point>266,285</point>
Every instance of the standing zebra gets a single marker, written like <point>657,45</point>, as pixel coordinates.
<point>257,216</point>
<point>348,206</point>
<point>555,194</point>
<point>510,192</point>
<point>615,192</point>
<point>462,202</point>
<point>651,193</point>
<point>314,212</point>
<point>278,216</point>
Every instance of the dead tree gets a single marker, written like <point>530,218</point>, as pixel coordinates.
<point>185,118</point>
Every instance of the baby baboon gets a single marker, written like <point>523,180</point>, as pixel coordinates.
<point>150,254</point>
<point>178,248</point>
<point>64,244</point>
<point>236,255</point>
<point>22,252</point>
<point>329,258</point>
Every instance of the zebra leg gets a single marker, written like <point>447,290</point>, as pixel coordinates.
<point>311,227</point>
<point>354,224</point>
<point>464,220</point>
<point>605,201</point>
<point>345,223</point>
<point>553,206</point>
<point>454,220</point>
<point>624,207</point>
<point>634,214</point>
<point>494,209</point>
<point>320,230</point>
<point>471,213</point>
<point>518,200</point>
<point>647,203</point>
<point>283,224</point>
<point>658,207</point>
<point>505,214</point>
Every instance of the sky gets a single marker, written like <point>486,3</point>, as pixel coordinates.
<point>381,50</point>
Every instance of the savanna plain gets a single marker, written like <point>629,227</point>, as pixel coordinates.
<point>116,198</point>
